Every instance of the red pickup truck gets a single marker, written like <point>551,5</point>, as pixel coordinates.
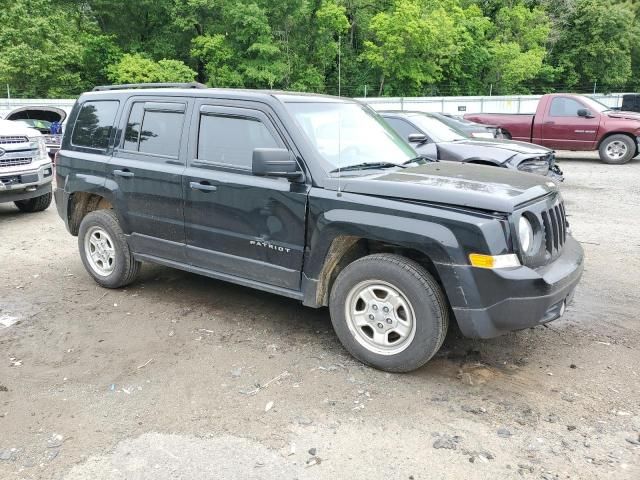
<point>573,122</point>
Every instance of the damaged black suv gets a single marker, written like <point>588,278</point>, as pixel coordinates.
<point>315,198</point>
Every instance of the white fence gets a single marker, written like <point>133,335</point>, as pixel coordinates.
<point>453,105</point>
<point>462,105</point>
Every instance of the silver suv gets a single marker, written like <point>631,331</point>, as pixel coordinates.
<point>26,171</point>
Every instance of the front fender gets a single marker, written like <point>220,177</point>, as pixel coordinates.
<point>445,235</point>
<point>434,240</point>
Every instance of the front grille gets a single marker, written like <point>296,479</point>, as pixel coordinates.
<point>554,221</point>
<point>6,140</point>
<point>13,162</point>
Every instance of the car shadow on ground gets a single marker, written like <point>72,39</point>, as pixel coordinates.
<point>283,316</point>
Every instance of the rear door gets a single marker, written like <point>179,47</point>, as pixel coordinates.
<point>237,224</point>
<point>563,129</point>
<point>147,167</point>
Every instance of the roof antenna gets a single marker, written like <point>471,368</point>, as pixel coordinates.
<point>339,151</point>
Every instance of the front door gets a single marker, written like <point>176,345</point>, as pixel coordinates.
<point>564,129</point>
<point>147,166</point>
<point>236,223</point>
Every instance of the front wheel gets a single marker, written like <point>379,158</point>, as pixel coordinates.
<point>617,149</point>
<point>389,312</point>
<point>104,250</point>
<point>32,205</point>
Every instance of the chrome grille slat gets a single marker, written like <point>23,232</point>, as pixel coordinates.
<point>554,222</point>
<point>547,232</point>
<point>9,139</point>
<point>564,223</point>
<point>560,225</point>
<point>13,162</point>
<point>554,227</point>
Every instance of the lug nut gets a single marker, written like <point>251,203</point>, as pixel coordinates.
<point>380,325</point>
<point>389,321</point>
<point>371,317</point>
<point>375,307</point>
<point>385,309</point>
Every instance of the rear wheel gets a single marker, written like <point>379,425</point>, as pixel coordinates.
<point>37,204</point>
<point>389,312</point>
<point>104,250</point>
<point>617,149</point>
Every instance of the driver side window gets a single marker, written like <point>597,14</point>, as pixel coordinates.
<point>565,107</point>
<point>402,127</point>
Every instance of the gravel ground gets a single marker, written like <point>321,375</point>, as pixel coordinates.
<point>180,376</point>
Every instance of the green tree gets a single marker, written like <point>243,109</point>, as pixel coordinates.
<point>134,68</point>
<point>410,44</point>
<point>596,44</point>
<point>518,48</point>
<point>38,58</point>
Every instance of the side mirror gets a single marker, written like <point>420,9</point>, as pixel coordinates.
<point>417,138</point>
<point>583,112</point>
<point>274,162</point>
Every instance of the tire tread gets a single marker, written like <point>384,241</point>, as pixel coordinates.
<point>36,204</point>
<point>431,288</point>
<point>131,266</point>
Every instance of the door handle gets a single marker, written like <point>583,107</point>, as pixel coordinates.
<point>203,187</point>
<point>549,123</point>
<point>123,173</point>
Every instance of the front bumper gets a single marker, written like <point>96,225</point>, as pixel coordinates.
<point>28,183</point>
<point>489,303</point>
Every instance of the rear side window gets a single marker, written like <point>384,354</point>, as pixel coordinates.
<point>565,107</point>
<point>155,129</point>
<point>94,124</point>
<point>231,140</point>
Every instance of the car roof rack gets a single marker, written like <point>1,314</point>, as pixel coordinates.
<point>127,86</point>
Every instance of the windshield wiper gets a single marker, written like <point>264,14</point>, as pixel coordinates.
<point>418,158</point>
<point>367,166</point>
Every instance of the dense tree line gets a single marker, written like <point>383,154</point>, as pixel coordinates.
<point>58,48</point>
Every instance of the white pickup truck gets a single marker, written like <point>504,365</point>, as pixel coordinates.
<point>26,171</point>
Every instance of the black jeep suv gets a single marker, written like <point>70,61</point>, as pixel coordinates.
<point>314,198</point>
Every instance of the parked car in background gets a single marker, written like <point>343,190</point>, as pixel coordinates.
<point>631,102</point>
<point>25,168</point>
<point>472,129</point>
<point>42,118</point>
<point>573,122</point>
<point>432,137</point>
<point>314,198</point>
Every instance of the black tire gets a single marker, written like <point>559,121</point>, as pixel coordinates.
<point>425,297</point>
<point>617,149</point>
<point>37,204</point>
<point>124,267</point>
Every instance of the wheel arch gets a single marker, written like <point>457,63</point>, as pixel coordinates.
<point>80,204</point>
<point>331,253</point>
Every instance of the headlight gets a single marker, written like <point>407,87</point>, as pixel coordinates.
<point>525,234</point>
<point>482,135</point>
<point>539,166</point>
<point>39,144</point>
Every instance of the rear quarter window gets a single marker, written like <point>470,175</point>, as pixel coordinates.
<point>94,124</point>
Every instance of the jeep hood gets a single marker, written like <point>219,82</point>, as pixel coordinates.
<point>489,149</point>
<point>466,185</point>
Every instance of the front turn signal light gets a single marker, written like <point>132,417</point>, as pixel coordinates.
<point>479,260</point>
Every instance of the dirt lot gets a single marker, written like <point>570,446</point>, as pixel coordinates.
<point>181,376</point>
